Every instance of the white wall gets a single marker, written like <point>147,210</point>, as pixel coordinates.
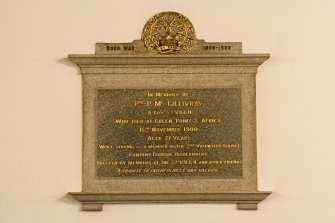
<point>40,99</point>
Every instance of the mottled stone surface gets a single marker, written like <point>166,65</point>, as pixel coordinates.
<point>159,133</point>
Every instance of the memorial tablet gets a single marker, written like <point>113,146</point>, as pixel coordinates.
<point>169,133</point>
<point>169,118</point>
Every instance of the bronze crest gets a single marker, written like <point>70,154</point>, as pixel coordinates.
<point>168,32</point>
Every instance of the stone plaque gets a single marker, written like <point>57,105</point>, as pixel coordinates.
<point>169,118</point>
<point>169,133</point>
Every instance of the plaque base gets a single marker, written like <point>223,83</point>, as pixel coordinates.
<point>95,201</point>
